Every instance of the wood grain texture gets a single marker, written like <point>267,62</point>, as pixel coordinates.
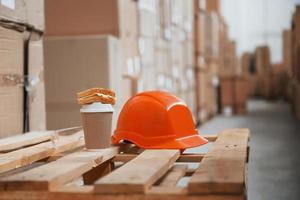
<point>18,141</point>
<point>222,169</point>
<point>59,172</point>
<point>139,174</point>
<point>37,152</point>
<point>182,158</point>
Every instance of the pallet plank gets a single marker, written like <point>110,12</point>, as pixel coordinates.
<point>59,172</point>
<point>139,174</point>
<point>183,157</point>
<point>222,168</point>
<point>37,152</point>
<point>18,141</point>
<point>31,138</point>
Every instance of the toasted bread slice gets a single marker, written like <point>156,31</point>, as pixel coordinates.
<point>92,91</point>
<point>96,97</point>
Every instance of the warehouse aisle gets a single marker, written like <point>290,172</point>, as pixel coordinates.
<point>274,166</point>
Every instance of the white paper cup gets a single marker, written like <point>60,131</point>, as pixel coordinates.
<point>97,125</point>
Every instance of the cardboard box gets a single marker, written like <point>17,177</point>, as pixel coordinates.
<point>234,94</point>
<point>262,60</point>
<point>81,17</point>
<point>11,86</point>
<point>252,85</point>
<point>148,23</point>
<point>200,34</point>
<point>73,64</point>
<point>240,90</point>
<point>230,60</point>
<point>146,51</point>
<point>213,6</point>
<point>201,91</point>
<point>287,51</point>
<point>25,11</point>
<point>36,89</point>
<point>212,28</point>
<point>245,62</point>
<point>227,91</point>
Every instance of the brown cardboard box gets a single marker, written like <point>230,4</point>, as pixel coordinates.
<point>35,13</point>
<point>200,41</point>
<point>24,11</point>
<point>268,86</point>
<point>246,59</point>
<point>287,51</point>
<point>230,60</point>
<point>212,28</point>
<point>13,10</point>
<point>11,89</point>
<point>213,6</point>
<point>252,85</point>
<point>73,64</point>
<point>37,112</point>
<point>234,94</point>
<point>262,60</point>
<point>81,17</point>
<point>240,91</point>
<point>111,17</point>
<point>201,92</point>
<point>227,91</point>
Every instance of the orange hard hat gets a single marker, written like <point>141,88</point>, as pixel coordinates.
<point>157,120</point>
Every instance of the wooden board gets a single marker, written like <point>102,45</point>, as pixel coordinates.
<point>59,172</point>
<point>139,174</point>
<point>18,141</point>
<point>31,138</point>
<point>222,169</point>
<point>182,158</point>
<point>37,152</point>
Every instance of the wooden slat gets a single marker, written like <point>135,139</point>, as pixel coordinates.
<point>18,141</point>
<point>31,138</point>
<point>57,173</point>
<point>139,174</point>
<point>37,152</point>
<point>222,168</point>
<point>210,138</point>
<point>86,193</point>
<point>182,157</point>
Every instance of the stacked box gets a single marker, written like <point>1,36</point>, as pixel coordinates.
<point>263,69</point>
<point>29,12</point>
<point>36,85</point>
<point>230,67</point>
<point>234,94</point>
<point>166,48</point>
<point>296,45</point>
<point>287,57</point>
<point>105,17</point>
<point>11,88</point>
<point>240,95</point>
<point>21,66</point>
<point>74,64</point>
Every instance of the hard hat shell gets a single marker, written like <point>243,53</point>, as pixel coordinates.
<point>157,120</point>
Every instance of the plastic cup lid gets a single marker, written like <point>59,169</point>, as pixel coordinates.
<point>96,107</point>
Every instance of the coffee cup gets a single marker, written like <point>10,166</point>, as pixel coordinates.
<point>97,125</point>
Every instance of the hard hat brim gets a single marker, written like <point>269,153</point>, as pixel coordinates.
<point>178,143</point>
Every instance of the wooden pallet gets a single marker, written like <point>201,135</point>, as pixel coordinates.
<point>54,165</point>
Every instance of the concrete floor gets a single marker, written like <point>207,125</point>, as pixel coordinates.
<point>274,166</point>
